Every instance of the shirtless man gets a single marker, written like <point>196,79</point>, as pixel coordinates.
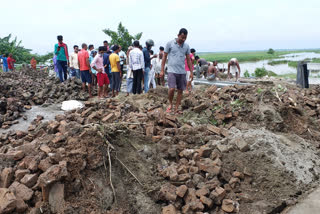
<point>234,67</point>
<point>212,71</point>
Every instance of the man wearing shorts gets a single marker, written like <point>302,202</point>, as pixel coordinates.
<point>176,51</point>
<point>85,70</point>
<point>234,68</point>
<point>102,77</point>
<point>115,70</point>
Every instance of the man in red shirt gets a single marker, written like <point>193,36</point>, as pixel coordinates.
<point>85,70</point>
<point>11,62</point>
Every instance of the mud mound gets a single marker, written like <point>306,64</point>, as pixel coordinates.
<point>234,150</point>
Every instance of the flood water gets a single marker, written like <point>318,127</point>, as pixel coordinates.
<point>281,68</point>
<point>48,114</point>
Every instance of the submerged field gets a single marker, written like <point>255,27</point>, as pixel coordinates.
<point>250,56</point>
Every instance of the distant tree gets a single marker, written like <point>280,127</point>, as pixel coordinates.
<point>270,51</point>
<point>21,54</point>
<point>122,36</point>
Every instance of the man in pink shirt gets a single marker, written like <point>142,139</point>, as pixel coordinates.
<point>85,70</point>
<point>102,77</point>
<point>189,86</point>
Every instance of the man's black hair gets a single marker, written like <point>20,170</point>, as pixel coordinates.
<point>93,53</point>
<point>151,52</point>
<point>183,31</point>
<point>75,46</point>
<point>105,41</point>
<point>115,47</point>
<point>136,43</point>
<point>197,57</point>
<point>161,48</point>
<point>101,48</point>
<point>90,46</point>
<point>60,37</point>
<point>192,50</point>
<point>83,45</point>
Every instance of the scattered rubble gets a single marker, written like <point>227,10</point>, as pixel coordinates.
<point>239,149</point>
<point>20,90</point>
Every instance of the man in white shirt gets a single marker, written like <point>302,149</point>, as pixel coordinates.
<point>156,65</point>
<point>152,72</point>
<point>74,64</point>
<point>234,68</point>
<point>123,58</point>
<point>136,64</point>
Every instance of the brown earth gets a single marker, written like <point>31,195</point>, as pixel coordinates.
<point>239,149</point>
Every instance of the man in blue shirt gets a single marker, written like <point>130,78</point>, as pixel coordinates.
<point>147,62</point>
<point>5,63</point>
<point>106,65</point>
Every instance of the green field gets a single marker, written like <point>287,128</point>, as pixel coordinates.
<point>248,56</point>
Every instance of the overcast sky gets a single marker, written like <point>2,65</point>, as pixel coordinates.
<point>213,25</point>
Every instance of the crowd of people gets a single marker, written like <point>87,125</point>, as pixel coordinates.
<point>7,62</point>
<point>104,68</point>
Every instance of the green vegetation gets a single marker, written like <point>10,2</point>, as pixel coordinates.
<point>259,90</point>
<point>287,76</point>
<point>249,56</point>
<point>122,36</point>
<point>277,62</point>
<point>270,51</point>
<point>293,64</point>
<point>20,54</point>
<point>261,72</point>
<point>246,74</point>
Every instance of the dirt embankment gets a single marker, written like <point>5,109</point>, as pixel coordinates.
<point>240,149</point>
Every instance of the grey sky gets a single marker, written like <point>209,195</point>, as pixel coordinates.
<point>213,25</point>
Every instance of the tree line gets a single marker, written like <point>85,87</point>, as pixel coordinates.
<point>20,53</point>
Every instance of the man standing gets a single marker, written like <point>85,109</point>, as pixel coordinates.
<point>74,63</point>
<point>11,61</point>
<point>156,65</point>
<point>147,62</point>
<point>176,51</point>
<point>91,47</point>
<point>61,50</point>
<point>106,45</point>
<point>115,70</point>
<point>234,67</point>
<point>152,72</point>
<point>136,64</point>
<point>33,64</point>
<point>5,62</point>
<point>106,65</point>
<point>123,58</point>
<point>85,70</point>
<point>161,50</point>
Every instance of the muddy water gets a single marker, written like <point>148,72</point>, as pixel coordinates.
<point>281,68</point>
<point>47,112</point>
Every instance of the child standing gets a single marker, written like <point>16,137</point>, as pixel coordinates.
<point>102,77</point>
<point>115,70</point>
